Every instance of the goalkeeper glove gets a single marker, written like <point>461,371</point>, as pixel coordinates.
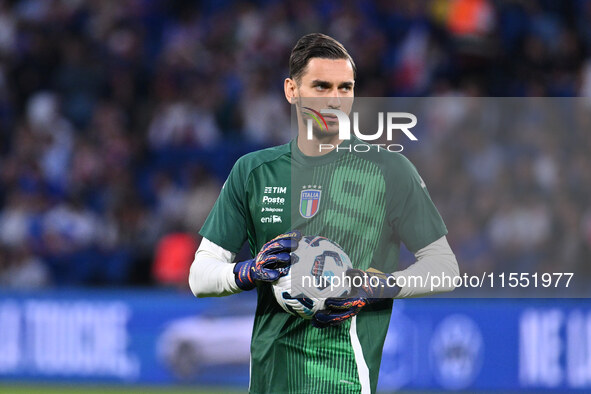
<point>368,287</point>
<point>271,263</point>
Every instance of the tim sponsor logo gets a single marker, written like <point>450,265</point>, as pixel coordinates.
<point>275,190</point>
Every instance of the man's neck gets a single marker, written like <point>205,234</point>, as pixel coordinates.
<point>316,146</point>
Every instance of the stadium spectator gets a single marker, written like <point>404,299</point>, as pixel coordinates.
<point>172,259</point>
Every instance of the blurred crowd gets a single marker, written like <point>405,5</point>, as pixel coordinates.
<point>511,178</point>
<point>119,121</point>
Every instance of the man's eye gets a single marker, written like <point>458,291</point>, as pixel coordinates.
<point>320,87</point>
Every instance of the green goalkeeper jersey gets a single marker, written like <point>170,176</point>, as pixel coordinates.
<point>368,203</point>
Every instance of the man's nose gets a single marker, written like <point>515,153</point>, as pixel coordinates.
<point>334,100</point>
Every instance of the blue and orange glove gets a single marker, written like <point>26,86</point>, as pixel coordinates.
<point>368,287</point>
<point>271,263</point>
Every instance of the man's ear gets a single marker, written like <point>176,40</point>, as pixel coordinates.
<point>289,87</point>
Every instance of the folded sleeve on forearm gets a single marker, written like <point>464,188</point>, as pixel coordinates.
<point>434,260</point>
<point>211,273</point>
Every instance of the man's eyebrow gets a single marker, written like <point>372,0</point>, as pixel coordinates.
<point>319,82</point>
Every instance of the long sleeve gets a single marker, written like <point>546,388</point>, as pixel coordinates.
<point>435,259</point>
<point>211,273</point>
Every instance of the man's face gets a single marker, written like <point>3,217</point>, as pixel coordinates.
<point>325,84</point>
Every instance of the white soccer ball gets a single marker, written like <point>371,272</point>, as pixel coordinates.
<point>317,271</point>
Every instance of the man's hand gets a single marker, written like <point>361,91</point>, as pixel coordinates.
<point>368,287</point>
<point>271,263</point>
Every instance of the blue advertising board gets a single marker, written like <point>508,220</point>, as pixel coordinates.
<point>165,337</point>
<point>488,344</point>
<point>144,337</point>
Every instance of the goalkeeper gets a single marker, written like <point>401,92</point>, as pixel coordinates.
<point>368,204</point>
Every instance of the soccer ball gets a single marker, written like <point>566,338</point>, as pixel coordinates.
<point>317,270</point>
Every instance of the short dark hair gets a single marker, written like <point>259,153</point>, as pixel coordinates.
<point>315,45</point>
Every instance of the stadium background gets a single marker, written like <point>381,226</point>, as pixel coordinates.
<point>119,121</point>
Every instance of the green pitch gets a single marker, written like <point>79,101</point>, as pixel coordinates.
<point>55,389</point>
<point>83,389</point>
